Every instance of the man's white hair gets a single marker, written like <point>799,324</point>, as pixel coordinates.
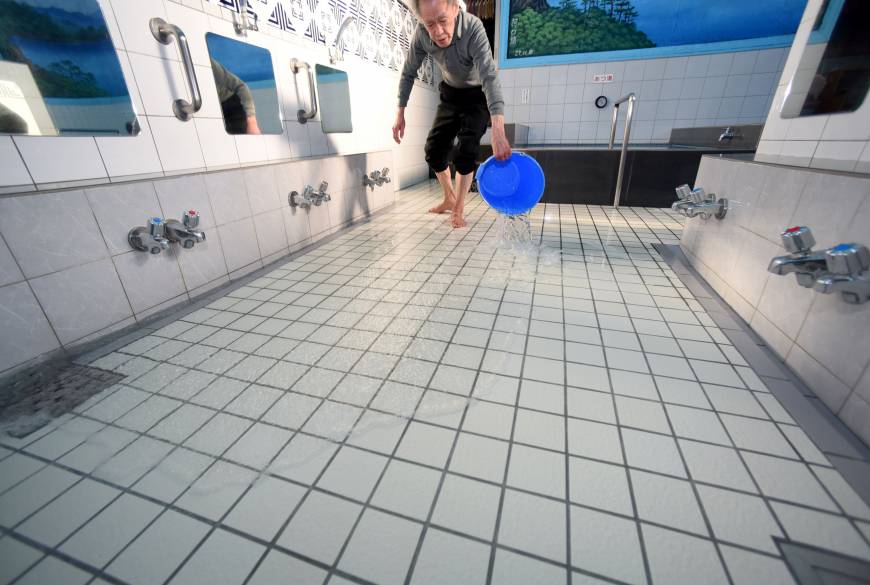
<point>415,5</point>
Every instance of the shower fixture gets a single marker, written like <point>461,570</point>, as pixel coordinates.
<point>336,53</point>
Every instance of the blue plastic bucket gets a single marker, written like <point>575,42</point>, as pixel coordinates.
<point>513,186</point>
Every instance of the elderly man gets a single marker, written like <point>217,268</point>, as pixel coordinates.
<point>470,95</point>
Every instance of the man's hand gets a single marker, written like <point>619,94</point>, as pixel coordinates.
<point>501,148</point>
<point>253,128</point>
<point>399,126</point>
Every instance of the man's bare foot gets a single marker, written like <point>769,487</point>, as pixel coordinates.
<point>458,220</point>
<point>446,205</point>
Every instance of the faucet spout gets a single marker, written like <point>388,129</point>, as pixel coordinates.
<point>336,53</point>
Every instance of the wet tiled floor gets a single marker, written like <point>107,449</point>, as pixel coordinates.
<point>407,403</point>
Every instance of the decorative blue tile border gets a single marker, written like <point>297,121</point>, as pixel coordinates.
<point>282,20</point>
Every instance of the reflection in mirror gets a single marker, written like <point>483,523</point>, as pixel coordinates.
<point>59,73</point>
<point>334,97</point>
<point>246,86</point>
<point>833,74</point>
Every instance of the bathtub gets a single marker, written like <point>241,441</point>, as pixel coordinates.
<point>586,173</point>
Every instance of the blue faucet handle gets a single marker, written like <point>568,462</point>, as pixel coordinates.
<point>848,259</point>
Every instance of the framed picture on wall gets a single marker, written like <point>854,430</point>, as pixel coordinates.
<point>543,32</point>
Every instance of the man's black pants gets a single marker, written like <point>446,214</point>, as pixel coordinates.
<point>462,113</point>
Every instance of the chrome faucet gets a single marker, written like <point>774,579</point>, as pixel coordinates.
<point>384,176</point>
<point>321,195</point>
<point>848,273</point>
<point>695,202</point>
<point>184,232</point>
<point>806,264</point>
<point>370,181</point>
<point>150,238</point>
<point>728,134</point>
<point>304,200</point>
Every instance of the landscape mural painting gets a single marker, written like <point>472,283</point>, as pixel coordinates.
<point>59,71</point>
<point>540,28</point>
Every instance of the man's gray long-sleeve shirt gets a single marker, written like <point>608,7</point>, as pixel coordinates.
<point>467,62</point>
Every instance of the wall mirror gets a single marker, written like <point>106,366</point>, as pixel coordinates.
<point>59,73</point>
<point>334,96</point>
<point>246,86</point>
<point>833,74</point>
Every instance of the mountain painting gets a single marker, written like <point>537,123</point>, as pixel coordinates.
<point>562,27</point>
<point>66,45</point>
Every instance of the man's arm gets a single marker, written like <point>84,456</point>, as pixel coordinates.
<point>481,55</point>
<point>413,60</point>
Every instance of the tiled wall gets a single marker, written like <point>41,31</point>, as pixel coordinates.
<point>823,339</point>
<point>168,146</point>
<point>836,141</point>
<point>68,275</point>
<point>677,92</point>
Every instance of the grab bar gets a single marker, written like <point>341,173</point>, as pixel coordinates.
<point>631,99</point>
<point>163,32</point>
<point>302,115</point>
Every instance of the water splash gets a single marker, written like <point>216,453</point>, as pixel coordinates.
<point>515,232</point>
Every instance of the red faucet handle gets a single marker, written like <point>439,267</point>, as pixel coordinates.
<point>190,219</point>
<point>798,239</point>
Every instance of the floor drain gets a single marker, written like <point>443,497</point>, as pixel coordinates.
<point>811,566</point>
<point>29,400</point>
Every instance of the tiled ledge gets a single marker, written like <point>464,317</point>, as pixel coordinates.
<point>846,451</point>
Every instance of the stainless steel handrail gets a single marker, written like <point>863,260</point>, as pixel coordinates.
<point>302,115</point>
<point>163,32</point>
<point>631,99</point>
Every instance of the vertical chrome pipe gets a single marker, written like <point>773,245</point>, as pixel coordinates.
<point>631,99</point>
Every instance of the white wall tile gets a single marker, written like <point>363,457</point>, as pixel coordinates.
<point>540,76</point>
<point>82,300</point>
<point>218,147</point>
<point>120,208</point>
<point>9,271</point>
<point>671,89</point>
<point>49,232</point>
<point>204,262</point>
<point>13,171</point>
<point>262,188</point>
<point>296,224</point>
<point>837,155</point>
<point>55,159</point>
<point>318,219</point>
<point>160,83</point>
<point>239,243</point>
<point>768,61</point>
<point>849,126</point>
<point>251,149</point>
<point>195,25</point>
<point>720,64</point>
<point>743,62</point>
<point>271,236</point>
<point>130,155</point>
<point>798,153</point>
<point>177,144</point>
<point>179,194</point>
<point>24,330</point>
<point>149,279</point>
<point>228,194</point>
<point>133,19</point>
